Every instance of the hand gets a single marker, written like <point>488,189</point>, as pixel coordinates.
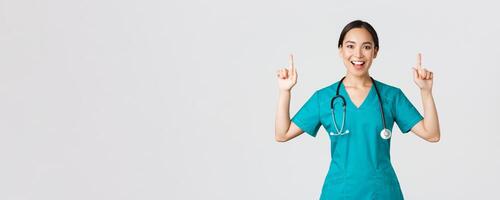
<point>287,77</point>
<point>422,77</point>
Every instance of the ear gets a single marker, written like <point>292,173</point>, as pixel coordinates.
<point>340,52</point>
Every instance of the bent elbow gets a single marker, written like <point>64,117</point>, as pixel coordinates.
<point>434,139</point>
<point>280,139</point>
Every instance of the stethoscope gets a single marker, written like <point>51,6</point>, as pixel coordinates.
<point>384,134</point>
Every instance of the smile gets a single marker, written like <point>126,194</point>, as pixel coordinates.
<point>358,62</point>
<point>358,65</point>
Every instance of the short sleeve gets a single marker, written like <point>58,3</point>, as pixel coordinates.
<point>405,114</point>
<point>308,118</point>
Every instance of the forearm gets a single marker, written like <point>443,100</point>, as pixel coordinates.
<point>431,122</point>
<point>282,123</point>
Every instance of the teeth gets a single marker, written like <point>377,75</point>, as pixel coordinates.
<point>358,62</point>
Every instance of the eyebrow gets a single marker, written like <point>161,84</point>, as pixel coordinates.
<point>355,42</point>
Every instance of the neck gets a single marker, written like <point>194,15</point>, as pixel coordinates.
<point>357,81</point>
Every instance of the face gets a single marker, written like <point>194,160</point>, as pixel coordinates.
<point>358,51</point>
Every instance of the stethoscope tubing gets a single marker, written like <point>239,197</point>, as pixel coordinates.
<point>385,134</point>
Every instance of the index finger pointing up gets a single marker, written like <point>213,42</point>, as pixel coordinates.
<point>290,61</point>
<point>419,60</point>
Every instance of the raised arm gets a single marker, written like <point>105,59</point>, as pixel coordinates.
<point>428,128</point>
<point>284,128</point>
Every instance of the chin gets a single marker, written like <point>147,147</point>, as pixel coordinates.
<point>358,73</point>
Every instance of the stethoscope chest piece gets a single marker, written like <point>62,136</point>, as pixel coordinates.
<point>339,133</point>
<point>385,134</point>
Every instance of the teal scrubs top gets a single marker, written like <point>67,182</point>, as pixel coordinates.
<point>360,167</point>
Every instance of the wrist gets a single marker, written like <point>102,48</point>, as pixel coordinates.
<point>284,91</point>
<point>426,91</point>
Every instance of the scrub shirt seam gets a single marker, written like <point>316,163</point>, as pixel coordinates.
<point>412,123</point>
<point>301,125</point>
<point>393,105</point>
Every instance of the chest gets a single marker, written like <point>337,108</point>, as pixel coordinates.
<point>357,95</point>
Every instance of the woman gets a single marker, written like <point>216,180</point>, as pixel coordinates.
<point>359,132</point>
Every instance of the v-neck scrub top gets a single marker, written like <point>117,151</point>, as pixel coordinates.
<point>360,167</point>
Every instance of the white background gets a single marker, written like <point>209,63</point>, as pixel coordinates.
<point>176,99</point>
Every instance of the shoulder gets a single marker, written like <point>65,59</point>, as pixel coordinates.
<point>388,93</point>
<point>327,91</point>
<point>386,89</point>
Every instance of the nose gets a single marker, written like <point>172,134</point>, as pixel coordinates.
<point>358,53</point>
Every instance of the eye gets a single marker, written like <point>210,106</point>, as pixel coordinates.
<point>368,47</point>
<point>350,46</point>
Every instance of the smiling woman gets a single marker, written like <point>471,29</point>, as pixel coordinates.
<point>358,46</point>
<point>361,166</point>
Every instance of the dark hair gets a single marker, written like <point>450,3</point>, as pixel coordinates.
<point>359,24</point>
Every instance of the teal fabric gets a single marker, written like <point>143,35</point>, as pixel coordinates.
<point>360,167</point>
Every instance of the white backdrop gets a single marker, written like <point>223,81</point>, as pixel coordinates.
<point>176,99</point>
